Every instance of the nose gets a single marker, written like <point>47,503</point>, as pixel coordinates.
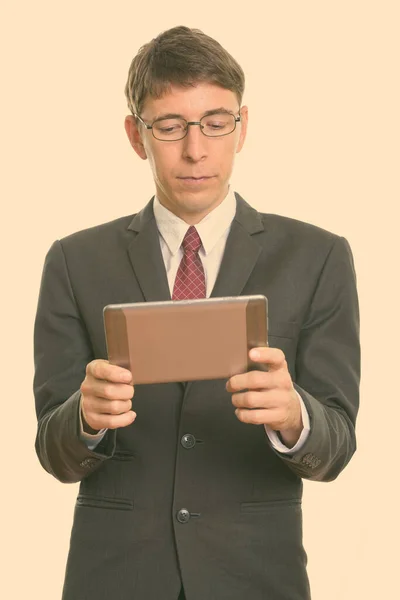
<point>194,144</point>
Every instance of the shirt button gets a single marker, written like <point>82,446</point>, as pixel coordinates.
<point>188,440</point>
<point>183,515</point>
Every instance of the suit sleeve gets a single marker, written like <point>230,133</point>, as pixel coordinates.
<point>328,369</point>
<point>62,350</point>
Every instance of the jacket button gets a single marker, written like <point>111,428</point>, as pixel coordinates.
<point>188,440</point>
<point>88,462</point>
<point>183,515</point>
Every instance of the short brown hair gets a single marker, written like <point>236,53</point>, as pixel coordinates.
<point>180,56</point>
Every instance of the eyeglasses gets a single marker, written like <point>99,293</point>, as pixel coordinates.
<point>173,129</point>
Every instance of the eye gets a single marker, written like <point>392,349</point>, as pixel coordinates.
<point>218,122</point>
<point>169,126</point>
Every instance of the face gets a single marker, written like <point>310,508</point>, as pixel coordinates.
<point>191,175</point>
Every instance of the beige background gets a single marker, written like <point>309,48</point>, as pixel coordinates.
<point>323,146</point>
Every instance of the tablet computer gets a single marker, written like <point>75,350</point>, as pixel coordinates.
<point>186,340</point>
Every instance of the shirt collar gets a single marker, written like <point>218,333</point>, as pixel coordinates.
<point>210,229</point>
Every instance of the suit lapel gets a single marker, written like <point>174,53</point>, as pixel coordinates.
<point>240,256</point>
<point>241,251</point>
<point>146,257</point>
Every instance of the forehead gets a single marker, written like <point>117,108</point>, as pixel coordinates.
<point>190,102</point>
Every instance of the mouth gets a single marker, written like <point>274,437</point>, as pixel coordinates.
<point>196,177</point>
<point>200,179</point>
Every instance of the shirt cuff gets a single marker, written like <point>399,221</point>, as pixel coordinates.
<point>276,442</point>
<point>91,440</point>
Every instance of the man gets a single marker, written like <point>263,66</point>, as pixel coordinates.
<point>194,490</point>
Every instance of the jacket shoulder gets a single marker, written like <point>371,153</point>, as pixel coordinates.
<point>97,233</point>
<point>295,228</point>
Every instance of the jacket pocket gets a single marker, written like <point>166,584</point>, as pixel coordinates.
<point>283,329</point>
<point>122,455</point>
<point>269,505</point>
<point>104,502</point>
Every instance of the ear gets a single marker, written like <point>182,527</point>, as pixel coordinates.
<point>133,133</point>
<point>244,112</point>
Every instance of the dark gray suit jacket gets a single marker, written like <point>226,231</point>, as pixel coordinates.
<point>242,537</point>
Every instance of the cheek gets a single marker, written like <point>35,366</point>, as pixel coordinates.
<point>226,156</point>
<point>162,163</point>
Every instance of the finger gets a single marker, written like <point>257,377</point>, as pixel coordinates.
<point>272,417</point>
<point>254,400</point>
<point>260,380</point>
<point>252,380</point>
<point>273,357</point>
<point>111,407</point>
<point>113,421</point>
<point>109,391</point>
<point>102,369</point>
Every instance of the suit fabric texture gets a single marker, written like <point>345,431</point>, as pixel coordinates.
<point>188,494</point>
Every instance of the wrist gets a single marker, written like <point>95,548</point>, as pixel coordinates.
<point>86,428</point>
<point>290,437</point>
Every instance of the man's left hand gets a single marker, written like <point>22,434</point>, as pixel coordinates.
<point>268,398</point>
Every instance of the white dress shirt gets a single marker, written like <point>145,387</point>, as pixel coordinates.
<point>213,231</point>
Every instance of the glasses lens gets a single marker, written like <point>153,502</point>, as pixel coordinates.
<point>169,129</point>
<point>218,124</point>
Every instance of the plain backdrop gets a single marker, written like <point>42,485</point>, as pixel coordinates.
<point>322,86</point>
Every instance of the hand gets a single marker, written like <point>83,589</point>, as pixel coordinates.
<point>106,397</point>
<point>271,398</point>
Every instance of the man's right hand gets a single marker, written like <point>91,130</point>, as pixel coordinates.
<point>106,394</point>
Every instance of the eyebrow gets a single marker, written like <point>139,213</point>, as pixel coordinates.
<point>208,113</point>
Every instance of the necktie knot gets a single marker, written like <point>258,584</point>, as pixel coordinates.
<point>191,241</point>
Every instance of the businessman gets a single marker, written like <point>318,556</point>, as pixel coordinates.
<point>194,490</point>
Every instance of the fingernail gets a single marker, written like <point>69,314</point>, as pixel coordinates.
<point>254,354</point>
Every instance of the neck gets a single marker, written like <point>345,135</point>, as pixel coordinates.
<point>190,217</point>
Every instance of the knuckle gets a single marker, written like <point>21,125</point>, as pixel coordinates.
<point>288,383</point>
<point>96,368</point>
<point>92,368</point>
<point>251,399</point>
<point>284,381</point>
<point>126,392</point>
<point>240,414</point>
<point>258,379</point>
<point>84,387</point>
<point>280,355</point>
<point>236,400</point>
<point>111,424</point>
<point>115,408</point>
<point>120,407</point>
<point>108,391</point>
<point>256,418</point>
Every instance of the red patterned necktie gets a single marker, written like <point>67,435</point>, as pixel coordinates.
<point>190,280</point>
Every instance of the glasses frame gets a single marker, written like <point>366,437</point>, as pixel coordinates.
<point>237,120</point>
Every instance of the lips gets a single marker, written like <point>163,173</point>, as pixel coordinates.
<point>196,178</point>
